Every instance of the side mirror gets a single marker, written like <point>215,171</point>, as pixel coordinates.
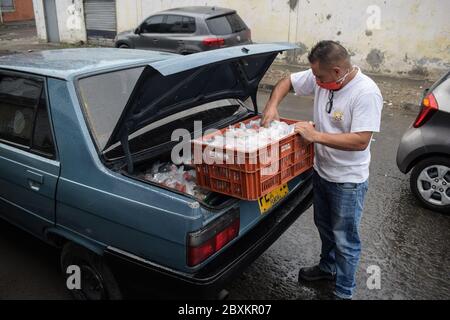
<point>137,30</point>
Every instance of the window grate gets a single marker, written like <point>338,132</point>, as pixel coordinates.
<point>7,5</point>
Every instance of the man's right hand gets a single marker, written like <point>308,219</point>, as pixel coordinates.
<point>270,114</point>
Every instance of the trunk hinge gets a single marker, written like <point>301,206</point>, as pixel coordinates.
<point>254,101</point>
<point>126,150</point>
<point>250,85</point>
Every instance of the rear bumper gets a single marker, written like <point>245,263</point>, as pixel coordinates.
<point>143,276</point>
<point>411,148</point>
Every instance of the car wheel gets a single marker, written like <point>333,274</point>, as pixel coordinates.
<point>124,46</point>
<point>430,182</point>
<point>96,279</point>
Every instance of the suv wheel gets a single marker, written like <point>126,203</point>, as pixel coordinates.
<point>430,182</point>
<point>124,46</point>
<point>96,279</point>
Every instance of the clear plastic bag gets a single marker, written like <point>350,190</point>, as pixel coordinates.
<point>172,176</point>
<point>246,137</point>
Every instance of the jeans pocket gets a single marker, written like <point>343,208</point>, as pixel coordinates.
<point>347,186</point>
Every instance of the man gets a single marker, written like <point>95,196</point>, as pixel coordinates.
<point>347,110</point>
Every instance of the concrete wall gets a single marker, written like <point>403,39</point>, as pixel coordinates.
<point>398,37</point>
<point>388,36</point>
<point>41,30</point>
<point>71,24</point>
<point>71,21</point>
<point>23,11</point>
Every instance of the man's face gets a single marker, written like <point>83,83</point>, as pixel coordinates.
<point>326,74</point>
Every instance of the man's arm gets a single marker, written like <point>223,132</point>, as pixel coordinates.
<point>280,91</point>
<point>355,141</point>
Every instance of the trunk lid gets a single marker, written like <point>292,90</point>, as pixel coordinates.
<point>174,85</point>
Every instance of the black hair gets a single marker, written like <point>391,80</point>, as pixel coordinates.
<point>328,53</point>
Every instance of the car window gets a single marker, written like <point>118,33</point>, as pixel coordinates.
<point>18,100</point>
<point>104,97</point>
<point>179,24</point>
<point>153,25</point>
<point>42,137</point>
<point>228,24</point>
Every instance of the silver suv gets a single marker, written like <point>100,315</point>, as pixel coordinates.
<point>187,30</point>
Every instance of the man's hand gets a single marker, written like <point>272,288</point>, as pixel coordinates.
<point>307,131</point>
<point>354,141</point>
<point>269,114</point>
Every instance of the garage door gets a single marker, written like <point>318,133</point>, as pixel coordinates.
<point>100,17</point>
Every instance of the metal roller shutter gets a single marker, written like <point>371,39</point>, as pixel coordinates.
<point>100,17</point>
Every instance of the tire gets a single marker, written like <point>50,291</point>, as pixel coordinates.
<point>430,183</point>
<point>97,280</point>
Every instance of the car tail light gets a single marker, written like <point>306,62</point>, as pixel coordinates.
<point>214,42</point>
<point>429,107</point>
<point>209,240</point>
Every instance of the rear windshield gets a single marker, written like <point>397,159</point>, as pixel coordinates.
<point>231,23</point>
<point>104,97</point>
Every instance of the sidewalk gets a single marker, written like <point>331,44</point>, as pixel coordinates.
<point>17,37</point>
<point>398,93</point>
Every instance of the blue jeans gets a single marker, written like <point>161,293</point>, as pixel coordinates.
<point>337,214</point>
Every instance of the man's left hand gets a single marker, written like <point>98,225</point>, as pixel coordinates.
<point>307,131</point>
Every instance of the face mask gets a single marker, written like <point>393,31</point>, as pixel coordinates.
<point>333,85</point>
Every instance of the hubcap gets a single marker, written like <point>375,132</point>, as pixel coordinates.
<point>432,184</point>
<point>91,284</point>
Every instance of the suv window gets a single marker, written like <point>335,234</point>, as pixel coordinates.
<point>179,24</point>
<point>153,25</point>
<point>24,116</point>
<point>228,24</point>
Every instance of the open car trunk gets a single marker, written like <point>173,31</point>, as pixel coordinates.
<point>156,147</point>
<point>143,172</point>
<point>162,89</point>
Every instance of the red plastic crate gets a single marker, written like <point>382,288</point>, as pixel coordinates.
<point>253,174</point>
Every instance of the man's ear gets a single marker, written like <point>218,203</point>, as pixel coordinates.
<point>336,71</point>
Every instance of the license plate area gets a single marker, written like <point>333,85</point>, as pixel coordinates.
<point>269,200</point>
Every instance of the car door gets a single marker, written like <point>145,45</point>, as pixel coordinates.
<point>150,33</point>
<point>29,168</point>
<point>178,29</point>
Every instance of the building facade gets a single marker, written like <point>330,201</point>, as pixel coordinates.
<point>397,37</point>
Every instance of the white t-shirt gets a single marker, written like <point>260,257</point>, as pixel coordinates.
<point>356,108</point>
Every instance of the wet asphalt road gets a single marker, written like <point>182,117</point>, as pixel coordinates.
<point>409,244</point>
